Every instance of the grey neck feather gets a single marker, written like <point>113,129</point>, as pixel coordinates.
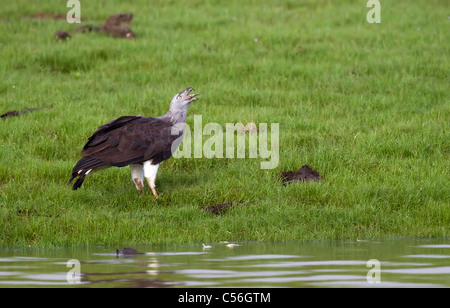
<point>176,114</point>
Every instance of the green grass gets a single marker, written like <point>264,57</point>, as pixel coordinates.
<point>364,104</point>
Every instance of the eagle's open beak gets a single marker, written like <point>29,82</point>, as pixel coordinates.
<point>188,91</point>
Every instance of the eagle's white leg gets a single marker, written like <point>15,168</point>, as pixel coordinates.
<point>137,175</point>
<point>150,172</point>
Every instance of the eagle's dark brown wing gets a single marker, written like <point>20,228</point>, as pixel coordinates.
<point>124,141</point>
<point>131,140</point>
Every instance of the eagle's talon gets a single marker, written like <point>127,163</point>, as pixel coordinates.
<point>155,194</point>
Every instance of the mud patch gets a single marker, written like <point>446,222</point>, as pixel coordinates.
<point>221,208</point>
<point>117,25</point>
<point>14,113</point>
<point>304,174</point>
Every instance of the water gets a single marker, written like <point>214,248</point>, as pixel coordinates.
<point>402,263</point>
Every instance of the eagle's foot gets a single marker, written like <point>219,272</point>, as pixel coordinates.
<point>139,186</point>
<point>151,184</point>
<point>154,192</point>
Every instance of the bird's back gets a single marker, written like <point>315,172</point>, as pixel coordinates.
<point>131,140</point>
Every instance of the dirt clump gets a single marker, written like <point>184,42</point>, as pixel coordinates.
<point>304,174</point>
<point>117,25</point>
<point>14,113</point>
<point>221,208</point>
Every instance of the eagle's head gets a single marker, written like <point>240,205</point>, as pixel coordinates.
<point>184,98</point>
<point>179,106</point>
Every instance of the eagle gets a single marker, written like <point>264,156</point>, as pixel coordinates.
<point>141,142</point>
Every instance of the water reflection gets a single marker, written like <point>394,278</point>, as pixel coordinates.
<point>403,263</point>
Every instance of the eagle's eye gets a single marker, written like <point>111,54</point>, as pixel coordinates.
<point>178,97</point>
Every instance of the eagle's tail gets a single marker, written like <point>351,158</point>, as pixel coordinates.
<point>83,167</point>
